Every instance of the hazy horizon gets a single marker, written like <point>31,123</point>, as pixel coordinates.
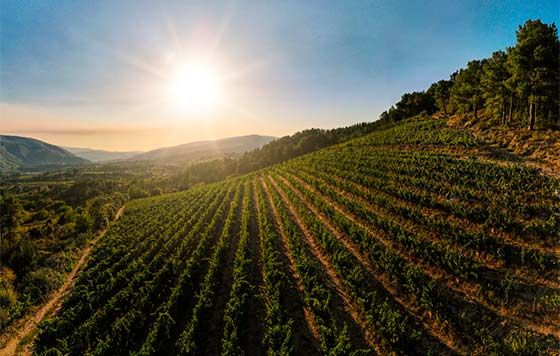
<point>141,140</point>
<point>98,75</point>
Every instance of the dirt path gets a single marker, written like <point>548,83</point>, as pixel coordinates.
<point>253,340</point>
<point>53,304</point>
<point>481,257</point>
<point>213,322</point>
<point>310,319</point>
<point>464,288</point>
<point>342,289</point>
<point>508,239</point>
<point>448,340</point>
<point>500,236</point>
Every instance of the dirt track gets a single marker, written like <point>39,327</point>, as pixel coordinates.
<point>53,304</point>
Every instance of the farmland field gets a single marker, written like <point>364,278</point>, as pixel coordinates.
<point>411,240</point>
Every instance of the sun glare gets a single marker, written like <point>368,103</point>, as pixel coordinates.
<point>196,88</point>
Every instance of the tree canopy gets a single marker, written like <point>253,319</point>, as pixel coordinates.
<point>518,86</point>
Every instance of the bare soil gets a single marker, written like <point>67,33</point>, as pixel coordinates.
<point>30,322</point>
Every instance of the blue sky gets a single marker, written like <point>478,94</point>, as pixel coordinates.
<point>81,73</point>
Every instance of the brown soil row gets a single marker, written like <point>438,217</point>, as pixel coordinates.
<point>311,323</point>
<point>252,340</point>
<point>518,240</point>
<point>371,336</point>
<point>448,339</point>
<point>466,289</point>
<point>480,257</point>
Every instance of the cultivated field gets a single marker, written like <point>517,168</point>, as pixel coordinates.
<point>405,241</point>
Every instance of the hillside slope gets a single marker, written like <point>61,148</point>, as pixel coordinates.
<point>200,150</point>
<point>8,162</point>
<point>101,155</point>
<point>539,147</point>
<point>413,240</point>
<point>24,153</point>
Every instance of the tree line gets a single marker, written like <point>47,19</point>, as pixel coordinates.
<point>518,86</point>
<point>280,150</point>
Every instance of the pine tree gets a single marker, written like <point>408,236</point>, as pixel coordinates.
<point>466,91</point>
<point>535,67</point>
<point>441,92</point>
<point>494,89</point>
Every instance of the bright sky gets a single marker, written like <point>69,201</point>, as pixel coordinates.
<point>108,74</point>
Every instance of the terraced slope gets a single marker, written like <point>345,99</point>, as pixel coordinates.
<point>401,242</point>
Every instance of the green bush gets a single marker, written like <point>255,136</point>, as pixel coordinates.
<point>41,282</point>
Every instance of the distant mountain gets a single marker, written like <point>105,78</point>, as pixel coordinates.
<point>101,155</point>
<point>200,150</point>
<point>24,153</point>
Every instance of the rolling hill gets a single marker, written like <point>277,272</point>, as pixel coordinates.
<point>24,153</point>
<point>416,239</point>
<point>200,150</point>
<point>101,155</point>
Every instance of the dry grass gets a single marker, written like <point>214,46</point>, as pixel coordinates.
<point>540,148</point>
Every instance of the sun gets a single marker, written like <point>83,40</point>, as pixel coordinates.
<point>196,88</point>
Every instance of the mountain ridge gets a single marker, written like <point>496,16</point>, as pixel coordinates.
<point>197,150</point>
<point>22,153</point>
<point>96,155</point>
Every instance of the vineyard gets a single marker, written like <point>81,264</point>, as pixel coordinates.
<point>407,241</point>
